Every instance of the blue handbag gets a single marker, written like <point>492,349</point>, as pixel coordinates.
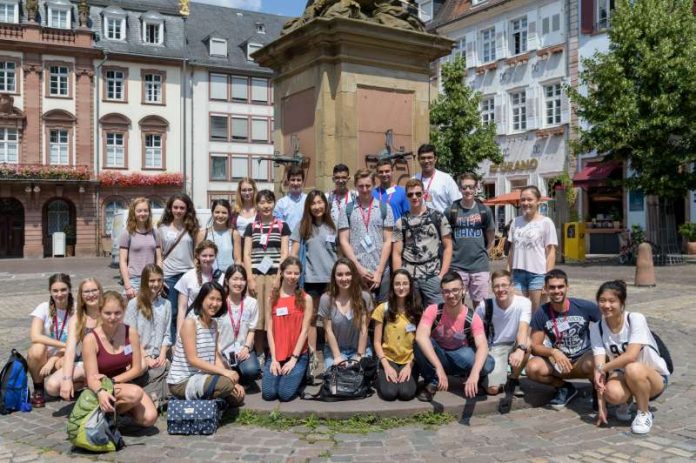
<point>196,417</point>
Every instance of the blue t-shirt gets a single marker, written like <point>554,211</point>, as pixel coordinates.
<point>569,332</point>
<point>395,198</point>
<point>289,209</point>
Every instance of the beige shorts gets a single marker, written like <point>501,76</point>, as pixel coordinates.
<point>264,288</point>
<point>500,353</point>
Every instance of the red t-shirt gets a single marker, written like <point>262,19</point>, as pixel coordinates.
<point>449,333</point>
<point>287,326</point>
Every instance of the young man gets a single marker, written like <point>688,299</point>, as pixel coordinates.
<point>566,322</point>
<point>388,192</point>
<point>473,229</point>
<point>290,208</point>
<point>450,340</point>
<point>365,234</point>
<point>340,196</point>
<point>418,237</point>
<point>440,189</point>
<point>506,323</point>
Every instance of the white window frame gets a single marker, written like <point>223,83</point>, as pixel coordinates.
<point>605,9</point>
<point>260,28</point>
<point>518,110</point>
<point>59,11</point>
<point>217,47</point>
<point>115,149</point>
<point>425,10</point>
<point>251,48</point>
<point>160,31</point>
<point>153,151</point>
<point>153,88</point>
<point>459,49</point>
<point>111,31</point>
<point>115,85</point>
<point>61,80</point>
<point>488,109</point>
<point>488,45</point>
<point>10,11</point>
<point>8,76</point>
<point>59,150</point>
<point>519,26</point>
<point>9,145</point>
<point>553,95</point>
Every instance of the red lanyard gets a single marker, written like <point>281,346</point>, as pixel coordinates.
<point>55,325</point>
<point>427,189</point>
<point>268,235</point>
<point>235,327</point>
<point>366,221</point>
<point>389,197</point>
<point>338,200</point>
<point>556,331</point>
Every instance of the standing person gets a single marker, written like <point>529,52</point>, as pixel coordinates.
<point>190,283</point>
<point>71,376</point>
<point>139,245</point>
<point>389,192</point>
<point>289,208</point>
<point>237,326</point>
<point>450,340</point>
<point>365,234</point>
<point>49,333</point>
<point>196,360</point>
<point>627,359</point>
<point>341,196</point>
<point>440,188</point>
<point>565,321</point>
<point>395,332</point>
<point>178,227</point>
<point>287,322</point>
<point>533,244</point>
<point>221,231</point>
<point>418,237</point>
<point>266,243</point>
<point>345,310</point>
<point>473,228</point>
<point>112,349</point>
<point>244,206</point>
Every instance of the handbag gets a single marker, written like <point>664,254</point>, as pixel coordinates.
<point>345,381</point>
<point>196,417</point>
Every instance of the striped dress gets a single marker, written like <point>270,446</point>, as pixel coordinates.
<point>180,370</point>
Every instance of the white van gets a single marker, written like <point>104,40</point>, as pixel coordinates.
<point>118,226</point>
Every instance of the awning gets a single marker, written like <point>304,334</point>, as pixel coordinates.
<point>512,198</point>
<point>595,173</point>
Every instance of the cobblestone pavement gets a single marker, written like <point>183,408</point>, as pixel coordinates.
<point>535,435</point>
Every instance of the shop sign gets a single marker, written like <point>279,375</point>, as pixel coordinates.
<point>524,164</point>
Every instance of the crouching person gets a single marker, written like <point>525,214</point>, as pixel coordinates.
<point>450,340</point>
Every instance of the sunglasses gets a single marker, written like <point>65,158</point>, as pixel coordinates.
<point>415,194</point>
<point>467,187</point>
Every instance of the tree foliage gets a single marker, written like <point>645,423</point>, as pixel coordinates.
<point>462,140</point>
<point>641,95</point>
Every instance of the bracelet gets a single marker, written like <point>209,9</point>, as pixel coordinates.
<point>67,378</point>
<point>296,357</point>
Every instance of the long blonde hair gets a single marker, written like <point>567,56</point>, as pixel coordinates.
<point>81,306</point>
<point>132,222</point>
<point>238,203</point>
<point>145,297</point>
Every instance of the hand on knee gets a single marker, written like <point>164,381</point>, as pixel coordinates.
<point>493,390</point>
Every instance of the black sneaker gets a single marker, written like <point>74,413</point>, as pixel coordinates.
<point>563,396</point>
<point>426,393</point>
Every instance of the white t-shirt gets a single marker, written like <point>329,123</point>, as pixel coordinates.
<point>634,331</point>
<point>441,192</point>
<point>506,322</point>
<point>53,328</point>
<point>530,240</point>
<point>247,320</point>
<point>188,284</point>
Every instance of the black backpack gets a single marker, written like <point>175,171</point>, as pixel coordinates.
<point>351,205</point>
<point>467,324</point>
<point>488,327</point>
<point>482,210</point>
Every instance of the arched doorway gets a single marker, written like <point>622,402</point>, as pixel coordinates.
<point>58,216</point>
<point>11,228</point>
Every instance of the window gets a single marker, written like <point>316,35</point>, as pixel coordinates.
<point>251,48</point>
<point>58,147</point>
<point>153,90</point>
<point>218,47</point>
<point>115,89</point>
<point>518,102</point>
<point>551,24</point>
<point>59,17</point>
<point>260,169</point>
<point>459,49</point>
<point>260,28</point>
<point>259,90</point>
<point>9,11</point>
<point>8,145</point>
<point>240,167</point>
<point>552,95</point>
<point>425,10</point>
<point>488,45</point>
<point>240,129</point>
<point>487,110</point>
<point>153,151</point>
<point>240,88</point>
<point>115,28</point>
<point>115,150</point>
<point>218,128</point>
<point>156,203</point>
<point>153,32</point>
<point>58,81</point>
<point>110,208</point>
<point>8,76</point>
<point>218,87</point>
<point>519,36</point>
<point>259,130</point>
<point>218,168</point>
<point>605,8</point>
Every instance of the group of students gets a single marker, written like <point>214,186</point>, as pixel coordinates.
<point>241,297</point>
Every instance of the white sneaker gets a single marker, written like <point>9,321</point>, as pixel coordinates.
<point>623,412</point>
<point>642,423</point>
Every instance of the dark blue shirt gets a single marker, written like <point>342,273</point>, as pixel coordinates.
<point>569,332</point>
<point>397,200</point>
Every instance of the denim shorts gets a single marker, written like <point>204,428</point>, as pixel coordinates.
<point>665,381</point>
<point>523,280</point>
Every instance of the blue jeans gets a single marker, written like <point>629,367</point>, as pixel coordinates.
<point>346,353</point>
<point>248,369</point>
<point>283,387</point>
<point>456,362</point>
<point>173,298</point>
<point>525,281</point>
<point>429,289</point>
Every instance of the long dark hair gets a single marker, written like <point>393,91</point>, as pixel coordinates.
<point>206,289</point>
<point>413,307</point>
<point>308,220</point>
<point>224,203</point>
<point>60,278</point>
<point>299,293</point>
<point>357,304</point>
<point>190,220</point>
<point>231,270</point>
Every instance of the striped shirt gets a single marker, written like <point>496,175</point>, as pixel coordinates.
<point>206,346</point>
<point>258,231</point>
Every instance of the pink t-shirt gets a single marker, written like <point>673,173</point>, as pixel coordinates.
<point>449,333</point>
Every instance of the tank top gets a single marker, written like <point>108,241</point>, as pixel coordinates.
<point>286,328</point>
<point>205,350</point>
<point>223,241</point>
<point>113,364</point>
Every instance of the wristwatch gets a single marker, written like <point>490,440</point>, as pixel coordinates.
<point>523,347</point>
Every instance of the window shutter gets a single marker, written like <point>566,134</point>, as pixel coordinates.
<point>500,47</point>
<point>470,50</point>
<point>532,37</point>
<point>587,20</point>
<point>531,106</point>
<point>565,108</point>
<point>500,114</point>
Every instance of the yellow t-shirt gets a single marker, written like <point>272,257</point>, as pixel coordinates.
<point>397,336</point>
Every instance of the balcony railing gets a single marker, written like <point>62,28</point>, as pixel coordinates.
<point>58,35</point>
<point>9,171</point>
<point>11,32</point>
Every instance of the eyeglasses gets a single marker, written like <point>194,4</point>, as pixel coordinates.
<point>467,187</point>
<point>415,194</point>
<point>454,292</point>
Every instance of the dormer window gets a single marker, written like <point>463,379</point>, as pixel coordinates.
<point>9,11</point>
<point>153,29</point>
<point>59,14</point>
<point>251,48</point>
<point>260,28</point>
<point>218,47</point>
<point>114,24</point>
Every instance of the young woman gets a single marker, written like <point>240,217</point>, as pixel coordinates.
<point>237,326</point>
<point>345,310</point>
<point>177,229</point>
<point>627,360</point>
<point>395,333</point>
<point>533,247</point>
<point>265,247</point>
<point>190,283</point>
<point>196,357</point>
<point>139,245</point>
<point>49,333</point>
<point>221,231</point>
<point>244,206</point>
<point>287,323</point>
<point>71,376</point>
<point>112,349</point>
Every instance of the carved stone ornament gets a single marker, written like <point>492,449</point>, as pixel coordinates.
<point>32,7</point>
<point>83,13</point>
<point>400,14</point>
<point>6,103</point>
<point>184,9</point>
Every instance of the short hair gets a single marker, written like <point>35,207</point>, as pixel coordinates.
<point>268,195</point>
<point>467,176</point>
<point>362,173</point>
<point>412,183</point>
<point>384,162</point>
<point>556,274</point>
<point>341,168</point>
<point>294,171</point>
<point>449,277</point>
<point>500,274</point>
<point>426,148</point>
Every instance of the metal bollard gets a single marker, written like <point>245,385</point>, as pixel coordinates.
<point>645,269</point>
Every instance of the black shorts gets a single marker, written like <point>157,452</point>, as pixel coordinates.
<point>315,289</point>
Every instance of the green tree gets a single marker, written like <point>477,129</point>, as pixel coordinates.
<point>462,140</point>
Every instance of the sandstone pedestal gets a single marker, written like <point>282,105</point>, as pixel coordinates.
<point>340,84</point>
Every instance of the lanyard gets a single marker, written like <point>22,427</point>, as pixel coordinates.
<point>268,235</point>
<point>427,188</point>
<point>338,200</point>
<point>55,325</point>
<point>235,326</point>
<point>556,331</point>
<point>366,221</point>
<point>389,196</point>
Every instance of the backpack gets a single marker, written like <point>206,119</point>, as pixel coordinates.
<point>488,327</point>
<point>467,324</point>
<point>89,427</point>
<point>661,350</point>
<point>351,205</point>
<point>432,216</point>
<point>482,210</point>
<point>14,385</point>
<point>348,380</point>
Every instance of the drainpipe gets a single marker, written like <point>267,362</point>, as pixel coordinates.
<point>183,127</point>
<point>97,146</point>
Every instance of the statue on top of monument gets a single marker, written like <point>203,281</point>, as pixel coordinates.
<point>400,14</point>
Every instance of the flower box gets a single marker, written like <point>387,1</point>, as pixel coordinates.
<point>112,178</point>
<point>43,172</point>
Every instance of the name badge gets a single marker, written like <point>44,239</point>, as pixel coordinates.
<point>263,240</point>
<point>563,326</point>
<point>281,311</point>
<point>171,235</point>
<point>331,239</point>
<point>128,350</point>
<point>390,191</point>
<point>265,265</point>
<point>367,244</point>
<point>410,328</point>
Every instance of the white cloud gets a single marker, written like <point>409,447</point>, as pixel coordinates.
<point>253,5</point>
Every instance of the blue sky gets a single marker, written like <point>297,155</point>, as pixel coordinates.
<point>282,7</point>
